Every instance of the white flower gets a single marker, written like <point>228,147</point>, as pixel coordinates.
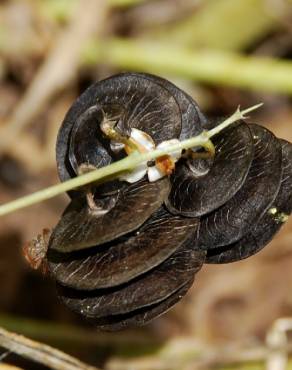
<point>163,165</point>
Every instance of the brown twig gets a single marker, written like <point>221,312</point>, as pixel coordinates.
<point>40,352</point>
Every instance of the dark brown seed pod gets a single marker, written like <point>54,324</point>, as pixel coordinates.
<point>194,195</point>
<point>119,257</point>
<point>141,292</point>
<point>142,316</point>
<point>235,218</point>
<point>87,142</point>
<point>105,223</point>
<point>268,225</point>
<point>126,257</point>
<point>192,119</point>
<point>81,227</point>
<point>130,101</point>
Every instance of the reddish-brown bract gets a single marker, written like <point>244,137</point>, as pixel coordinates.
<point>35,251</point>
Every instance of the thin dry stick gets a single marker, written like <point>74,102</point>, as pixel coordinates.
<point>59,68</point>
<point>127,164</point>
<point>40,352</point>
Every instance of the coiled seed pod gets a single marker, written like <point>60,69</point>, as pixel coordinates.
<point>124,253</point>
<point>229,223</point>
<point>195,194</point>
<point>119,256</point>
<point>131,100</point>
<point>268,223</point>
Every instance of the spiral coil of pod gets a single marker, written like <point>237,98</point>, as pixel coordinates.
<point>123,254</point>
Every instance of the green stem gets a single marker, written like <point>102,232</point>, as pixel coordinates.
<point>219,24</point>
<point>230,119</point>
<point>126,164</point>
<point>61,10</point>
<point>208,66</point>
<point>125,3</point>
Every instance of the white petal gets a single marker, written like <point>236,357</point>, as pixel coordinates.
<point>135,175</point>
<point>154,174</point>
<point>142,139</point>
<point>174,155</point>
<point>116,146</point>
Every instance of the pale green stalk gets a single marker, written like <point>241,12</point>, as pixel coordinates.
<point>126,164</point>
<point>61,10</point>
<point>231,119</point>
<point>222,24</point>
<point>214,67</point>
<point>125,3</point>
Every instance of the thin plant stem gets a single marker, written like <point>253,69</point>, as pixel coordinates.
<point>126,164</point>
<point>214,67</point>
<point>225,16</point>
<point>230,120</point>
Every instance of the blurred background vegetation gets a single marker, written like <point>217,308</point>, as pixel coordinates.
<point>224,53</point>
